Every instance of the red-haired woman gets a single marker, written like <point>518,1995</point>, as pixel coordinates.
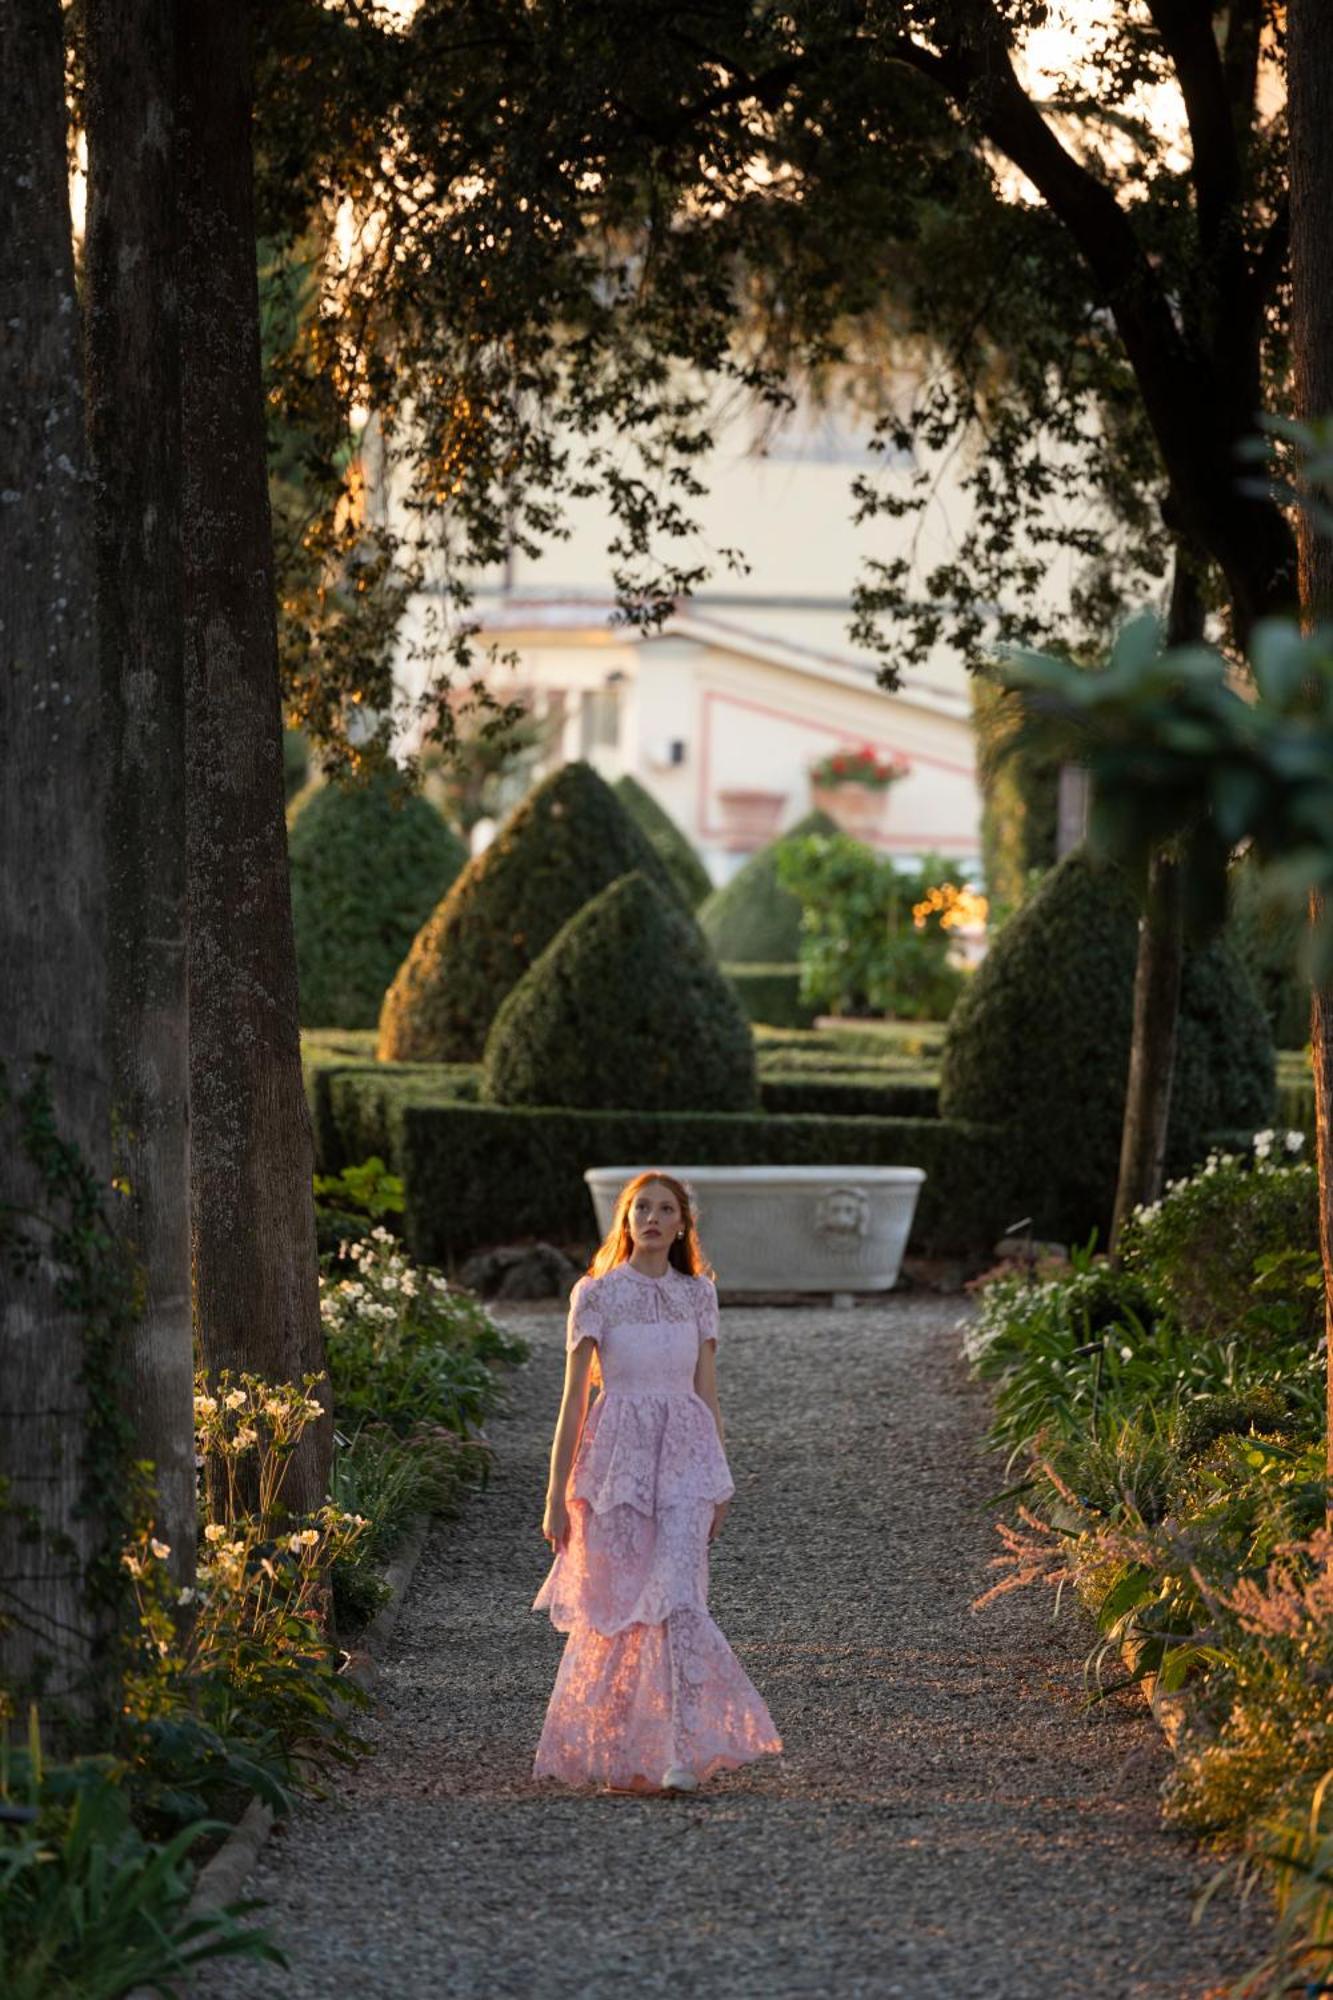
<point>649,1696</point>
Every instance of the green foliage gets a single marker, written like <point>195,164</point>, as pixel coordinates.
<point>569,839</point>
<point>687,871</point>
<point>1235,1249</point>
<point>771,994</point>
<point>480,1174</point>
<point>369,862</point>
<point>1273,941</point>
<point>1178,754</point>
<point>90,1907</point>
<point>394,1481</point>
<point>404,1348</point>
<point>1019,802</point>
<point>753,919</point>
<point>850,1093</point>
<point>1259,1407</point>
<point>863,950</point>
<point>1039,1044</point>
<point>295,763</point>
<point>1175,1471</point>
<point>367,1188</point>
<point>626,1008</point>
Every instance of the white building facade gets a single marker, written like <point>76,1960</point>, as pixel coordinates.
<point>722,714</point>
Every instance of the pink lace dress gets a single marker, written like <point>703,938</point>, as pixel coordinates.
<point>647,1680</point>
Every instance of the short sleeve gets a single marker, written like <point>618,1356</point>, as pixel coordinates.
<point>707,1310</point>
<point>585,1314</point>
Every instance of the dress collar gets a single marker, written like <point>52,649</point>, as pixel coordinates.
<point>670,1272</point>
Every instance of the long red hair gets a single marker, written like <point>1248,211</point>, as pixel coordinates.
<point>686,1252</point>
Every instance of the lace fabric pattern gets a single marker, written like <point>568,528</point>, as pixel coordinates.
<point>647,1679</point>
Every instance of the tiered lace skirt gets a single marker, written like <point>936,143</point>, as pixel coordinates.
<point>647,1680</point>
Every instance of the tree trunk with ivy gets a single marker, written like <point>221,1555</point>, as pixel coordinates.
<point>1157,970</point>
<point>253,1214</point>
<point>1310,110</point>
<point>133,380</point>
<point>53,992</point>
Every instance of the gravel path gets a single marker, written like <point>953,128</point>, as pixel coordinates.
<point>946,1822</point>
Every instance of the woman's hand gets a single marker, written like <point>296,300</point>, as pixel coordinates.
<point>555,1522</point>
<point>720,1512</point>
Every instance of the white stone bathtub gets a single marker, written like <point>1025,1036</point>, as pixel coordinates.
<point>791,1229</point>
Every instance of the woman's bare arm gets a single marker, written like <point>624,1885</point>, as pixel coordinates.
<point>568,1429</point>
<point>705,1384</point>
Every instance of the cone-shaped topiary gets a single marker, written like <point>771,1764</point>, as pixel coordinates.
<point>687,871</point>
<point>753,920</point>
<point>568,839</point>
<point>368,865</point>
<point>1039,1043</point>
<point>625,1009</point>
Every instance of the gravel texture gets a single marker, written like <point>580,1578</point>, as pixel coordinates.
<point>947,1822</point>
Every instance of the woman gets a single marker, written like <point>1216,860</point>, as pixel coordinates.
<point>649,1696</point>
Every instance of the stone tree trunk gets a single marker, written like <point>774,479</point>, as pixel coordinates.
<point>253,1212</point>
<point>1310,111</point>
<point>133,379</point>
<point>52,892</point>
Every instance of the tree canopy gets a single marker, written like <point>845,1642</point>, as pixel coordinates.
<point>558,238</point>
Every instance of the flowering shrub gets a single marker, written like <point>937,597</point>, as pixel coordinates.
<point>1204,1244</point>
<point>231,1680</point>
<point>1176,1479</point>
<point>403,1345</point>
<point>862,948</point>
<point>863,766</point>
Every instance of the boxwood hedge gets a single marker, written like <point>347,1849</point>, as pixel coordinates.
<point>478,1174</point>
<point>1039,1043</point>
<point>568,839</point>
<point>753,920</point>
<point>626,1007</point>
<point>673,845</point>
<point>368,865</point>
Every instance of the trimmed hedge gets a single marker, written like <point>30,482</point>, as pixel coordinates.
<point>753,920</point>
<point>368,865</point>
<point>568,840</point>
<point>771,994</point>
<point>1272,941</point>
<point>1039,1044</point>
<point>481,1174</point>
<point>626,1008</point>
<point>850,1093</point>
<point>673,846</point>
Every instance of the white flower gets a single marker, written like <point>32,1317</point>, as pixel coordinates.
<point>215,1532</point>
<point>1294,1141</point>
<point>1263,1144</point>
<point>205,1406</point>
<point>186,1596</point>
<point>160,1549</point>
<point>1126,1354</point>
<point>236,1400</point>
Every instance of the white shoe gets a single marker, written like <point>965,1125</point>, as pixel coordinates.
<point>678,1779</point>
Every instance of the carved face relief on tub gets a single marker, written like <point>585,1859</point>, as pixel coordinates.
<point>842,1212</point>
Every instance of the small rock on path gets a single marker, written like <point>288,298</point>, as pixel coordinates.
<point>947,1821</point>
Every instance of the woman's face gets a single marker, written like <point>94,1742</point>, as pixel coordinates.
<point>654,1217</point>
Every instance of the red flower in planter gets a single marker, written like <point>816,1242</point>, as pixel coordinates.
<point>863,766</point>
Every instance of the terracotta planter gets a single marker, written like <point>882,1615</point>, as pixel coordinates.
<point>860,810</point>
<point>750,819</point>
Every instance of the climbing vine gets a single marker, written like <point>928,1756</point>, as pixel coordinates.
<point>70,1230</point>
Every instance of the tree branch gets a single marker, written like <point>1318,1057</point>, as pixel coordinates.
<point>1181,395</point>
<point>1186,29</point>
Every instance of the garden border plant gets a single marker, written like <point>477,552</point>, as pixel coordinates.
<point>1173,1468</point>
